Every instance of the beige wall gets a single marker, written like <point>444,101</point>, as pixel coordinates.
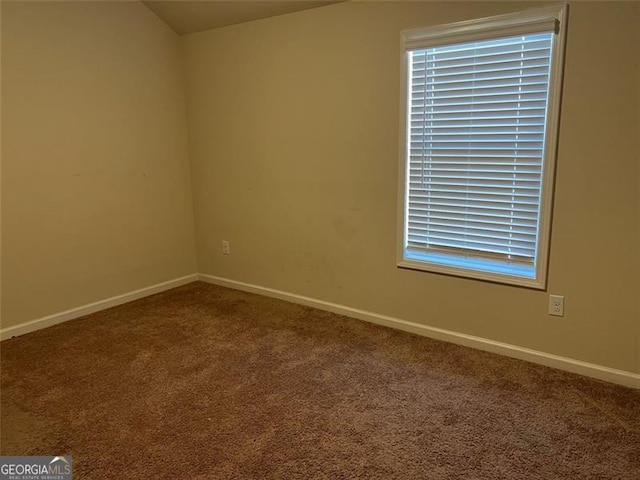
<point>294,149</point>
<point>637,49</point>
<point>96,197</point>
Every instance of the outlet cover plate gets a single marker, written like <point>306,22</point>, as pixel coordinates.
<point>556,305</point>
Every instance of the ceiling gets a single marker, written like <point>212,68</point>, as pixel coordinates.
<point>189,16</point>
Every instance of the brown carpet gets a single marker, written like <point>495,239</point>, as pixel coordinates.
<point>205,382</point>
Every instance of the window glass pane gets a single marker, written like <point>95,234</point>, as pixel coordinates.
<point>475,149</point>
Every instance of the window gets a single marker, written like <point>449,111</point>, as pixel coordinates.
<point>482,103</point>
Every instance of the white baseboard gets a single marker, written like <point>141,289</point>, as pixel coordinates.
<point>56,318</point>
<point>600,372</point>
<point>621,377</point>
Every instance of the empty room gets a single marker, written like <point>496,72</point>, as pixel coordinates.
<point>320,239</point>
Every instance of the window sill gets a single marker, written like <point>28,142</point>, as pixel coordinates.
<point>478,269</point>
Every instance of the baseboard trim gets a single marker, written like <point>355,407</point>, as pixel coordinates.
<point>620,377</point>
<point>67,315</point>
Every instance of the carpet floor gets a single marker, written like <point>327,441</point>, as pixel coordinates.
<point>204,382</point>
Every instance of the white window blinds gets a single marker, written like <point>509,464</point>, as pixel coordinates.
<point>477,117</point>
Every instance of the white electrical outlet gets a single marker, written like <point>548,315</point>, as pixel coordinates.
<point>225,247</point>
<point>556,305</point>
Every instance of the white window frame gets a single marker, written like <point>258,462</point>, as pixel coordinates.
<point>530,21</point>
